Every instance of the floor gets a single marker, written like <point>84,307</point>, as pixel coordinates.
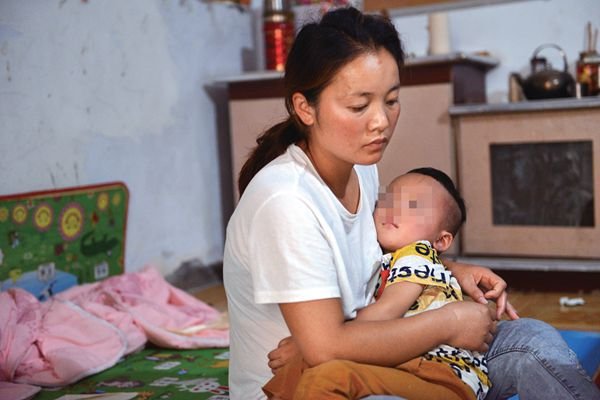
<point>214,296</point>
<point>544,306</point>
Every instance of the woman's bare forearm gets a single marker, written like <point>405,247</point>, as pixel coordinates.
<point>385,343</point>
<point>392,342</point>
<point>322,334</point>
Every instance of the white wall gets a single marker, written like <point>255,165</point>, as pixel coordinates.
<point>510,32</point>
<point>98,91</point>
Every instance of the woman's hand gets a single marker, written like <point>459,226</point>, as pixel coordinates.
<point>470,326</point>
<point>285,351</point>
<point>474,278</point>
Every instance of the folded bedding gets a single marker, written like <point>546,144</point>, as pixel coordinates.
<point>88,328</point>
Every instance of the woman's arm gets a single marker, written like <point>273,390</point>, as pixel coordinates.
<point>321,333</point>
<point>473,278</point>
<point>394,302</point>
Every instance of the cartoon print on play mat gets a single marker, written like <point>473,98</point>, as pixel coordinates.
<point>200,385</point>
<point>121,383</point>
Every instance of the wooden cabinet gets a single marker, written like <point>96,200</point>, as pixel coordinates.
<point>406,7</point>
<point>443,103</point>
<point>529,173</point>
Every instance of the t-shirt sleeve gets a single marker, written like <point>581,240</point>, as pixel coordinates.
<point>292,254</point>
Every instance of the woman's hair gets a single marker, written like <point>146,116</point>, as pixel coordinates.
<point>319,51</point>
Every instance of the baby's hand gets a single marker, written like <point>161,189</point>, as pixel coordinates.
<point>286,350</point>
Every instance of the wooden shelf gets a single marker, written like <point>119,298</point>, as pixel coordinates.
<point>466,71</point>
<point>408,7</point>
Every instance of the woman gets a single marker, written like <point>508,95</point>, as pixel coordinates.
<point>301,254</point>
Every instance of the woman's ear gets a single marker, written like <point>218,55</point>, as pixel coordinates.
<point>443,242</point>
<point>303,109</point>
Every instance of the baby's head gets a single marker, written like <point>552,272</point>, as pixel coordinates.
<point>422,204</point>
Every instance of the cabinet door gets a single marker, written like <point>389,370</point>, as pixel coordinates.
<point>423,135</point>
<point>248,119</point>
<point>530,180</point>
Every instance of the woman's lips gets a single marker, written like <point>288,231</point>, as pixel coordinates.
<point>377,145</point>
<point>378,142</point>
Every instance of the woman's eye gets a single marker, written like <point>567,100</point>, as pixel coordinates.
<point>358,108</point>
<point>392,102</point>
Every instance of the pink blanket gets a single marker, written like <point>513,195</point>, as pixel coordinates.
<point>88,328</point>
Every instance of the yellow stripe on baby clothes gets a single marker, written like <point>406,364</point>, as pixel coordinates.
<point>419,249</point>
<point>419,263</point>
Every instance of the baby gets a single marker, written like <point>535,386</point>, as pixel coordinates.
<point>416,219</point>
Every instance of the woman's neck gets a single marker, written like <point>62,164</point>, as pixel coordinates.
<point>339,176</point>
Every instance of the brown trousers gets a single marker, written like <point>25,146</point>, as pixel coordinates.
<point>417,379</point>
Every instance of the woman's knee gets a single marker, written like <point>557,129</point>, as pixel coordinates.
<point>528,334</point>
<point>527,343</point>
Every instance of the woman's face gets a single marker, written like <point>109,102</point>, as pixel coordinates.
<point>357,112</point>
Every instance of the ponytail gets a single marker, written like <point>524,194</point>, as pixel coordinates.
<point>270,145</point>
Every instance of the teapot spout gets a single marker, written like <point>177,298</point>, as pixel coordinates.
<point>515,88</point>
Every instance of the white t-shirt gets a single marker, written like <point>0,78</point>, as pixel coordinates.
<point>291,240</point>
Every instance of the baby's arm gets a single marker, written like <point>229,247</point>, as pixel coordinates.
<point>394,302</point>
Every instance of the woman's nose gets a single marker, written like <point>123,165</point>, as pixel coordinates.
<point>379,121</point>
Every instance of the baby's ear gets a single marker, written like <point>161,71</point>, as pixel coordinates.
<point>443,242</point>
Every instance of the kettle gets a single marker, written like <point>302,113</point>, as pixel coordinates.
<point>545,82</point>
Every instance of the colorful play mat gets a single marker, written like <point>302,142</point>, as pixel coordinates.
<point>52,240</point>
<point>156,374</point>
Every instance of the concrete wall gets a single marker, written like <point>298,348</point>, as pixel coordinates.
<point>98,91</point>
